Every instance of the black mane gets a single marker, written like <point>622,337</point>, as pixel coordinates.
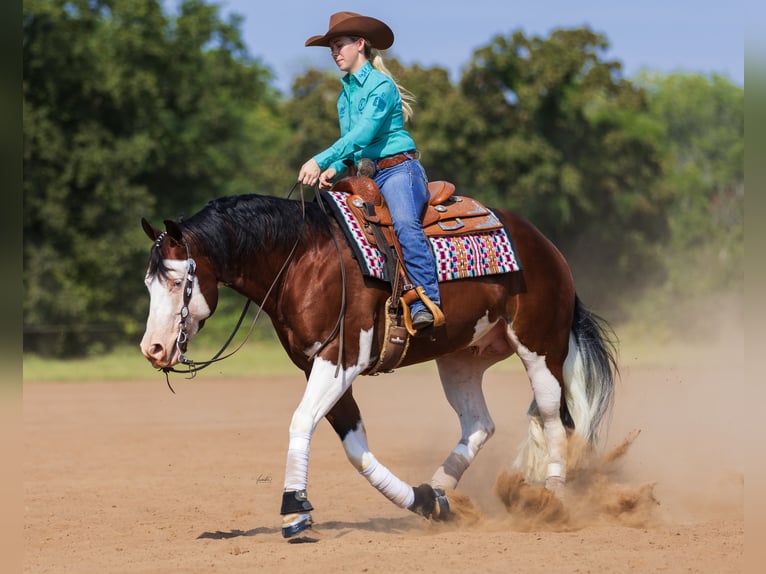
<point>237,225</point>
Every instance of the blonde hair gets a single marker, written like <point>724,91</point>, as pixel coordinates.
<point>408,98</point>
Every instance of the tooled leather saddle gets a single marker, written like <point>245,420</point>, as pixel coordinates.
<point>446,214</point>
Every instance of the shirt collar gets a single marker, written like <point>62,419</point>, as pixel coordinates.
<point>360,75</point>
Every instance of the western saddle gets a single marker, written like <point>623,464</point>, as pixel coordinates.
<point>446,214</point>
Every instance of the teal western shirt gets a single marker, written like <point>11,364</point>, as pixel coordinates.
<point>371,120</point>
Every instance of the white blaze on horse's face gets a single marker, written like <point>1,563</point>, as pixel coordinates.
<point>166,300</point>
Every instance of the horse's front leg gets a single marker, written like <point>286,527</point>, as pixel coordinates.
<point>346,420</point>
<point>326,384</point>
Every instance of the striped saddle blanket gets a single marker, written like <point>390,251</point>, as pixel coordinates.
<point>458,256</point>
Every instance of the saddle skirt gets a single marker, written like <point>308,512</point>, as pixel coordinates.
<point>467,238</point>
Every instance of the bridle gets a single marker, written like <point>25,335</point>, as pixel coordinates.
<point>182,339</point>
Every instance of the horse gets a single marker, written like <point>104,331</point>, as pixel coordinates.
<point>291,257</point>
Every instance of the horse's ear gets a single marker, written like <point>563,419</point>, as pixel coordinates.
<point>173,230</point>
<point>151,231</point>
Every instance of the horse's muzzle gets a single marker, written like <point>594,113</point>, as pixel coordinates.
<point>158,355</point>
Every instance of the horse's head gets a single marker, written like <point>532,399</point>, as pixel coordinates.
<point>183,293</point>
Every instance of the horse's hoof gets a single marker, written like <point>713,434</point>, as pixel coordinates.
<point>293,524</point>
<point>430,502</point>
<point>441,508</point>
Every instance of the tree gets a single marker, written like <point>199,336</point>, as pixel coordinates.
<point>567,142</point>
<point>312,115</point>
<point>126,111</point>
<point>447,126</point>
<point>703,137</point>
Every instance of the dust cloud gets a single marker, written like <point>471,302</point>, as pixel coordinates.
<point>591,497</point>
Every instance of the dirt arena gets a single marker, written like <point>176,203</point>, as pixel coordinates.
<point>127,477</point>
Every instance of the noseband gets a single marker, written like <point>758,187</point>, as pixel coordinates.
<point>182,339</point>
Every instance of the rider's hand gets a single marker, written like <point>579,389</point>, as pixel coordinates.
<point>309,173</point>
<point>325,180</point>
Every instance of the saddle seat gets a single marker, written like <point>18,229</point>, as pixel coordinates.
<point>445,214</point>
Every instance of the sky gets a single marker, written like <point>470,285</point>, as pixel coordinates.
<point>694,36</point>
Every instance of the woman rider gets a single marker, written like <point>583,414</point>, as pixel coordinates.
<point>372,109</point>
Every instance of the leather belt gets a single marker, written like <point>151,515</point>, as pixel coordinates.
<point>392,160</point>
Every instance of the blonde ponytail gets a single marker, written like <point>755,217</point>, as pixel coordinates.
<point>408,98</point>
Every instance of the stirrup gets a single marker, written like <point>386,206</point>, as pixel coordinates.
<point>420,293</point>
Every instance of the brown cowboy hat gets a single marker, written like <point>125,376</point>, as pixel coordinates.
<point>353,24</point>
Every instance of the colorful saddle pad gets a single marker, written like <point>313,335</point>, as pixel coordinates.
<point>457,257</point>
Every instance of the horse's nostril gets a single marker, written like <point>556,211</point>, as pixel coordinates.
<point>156,351</point>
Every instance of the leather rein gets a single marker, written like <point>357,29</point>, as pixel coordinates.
<point>182,339</point>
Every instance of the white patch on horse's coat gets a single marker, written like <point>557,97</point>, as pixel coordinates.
<point>482,327</point>
<point>547,392</point>
<point>165,302</point>
<point>323,390</point>
<point>491,338</point>
<point>358,453</point>
<point>312,349</point>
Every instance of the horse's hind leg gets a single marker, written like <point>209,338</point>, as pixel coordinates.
<point>346,420</point>
<point>546,455</point>
<point>461,376</point>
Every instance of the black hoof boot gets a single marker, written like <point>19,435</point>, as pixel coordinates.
<point>296,515</point>
<point>430,502</point>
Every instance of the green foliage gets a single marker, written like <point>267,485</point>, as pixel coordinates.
<point>703,136</point>
<point>127,113</point>
<point>564,140</point>
<point>312,116</point>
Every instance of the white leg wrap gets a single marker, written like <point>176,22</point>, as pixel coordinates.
<point>556,469</point>
<point>358,453</point>
<point>397,491</point>
<point>296,472</point>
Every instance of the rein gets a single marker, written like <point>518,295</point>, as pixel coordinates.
<point>339,324</point>
<point>191,267</point>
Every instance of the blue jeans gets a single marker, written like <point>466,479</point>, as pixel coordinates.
<point>405,189</point>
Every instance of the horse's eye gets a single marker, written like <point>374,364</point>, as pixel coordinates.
<point>177,283</point>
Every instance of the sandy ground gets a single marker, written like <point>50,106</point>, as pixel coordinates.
<point>127,477</point>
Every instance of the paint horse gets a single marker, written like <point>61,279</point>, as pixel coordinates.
<point>293,259</point>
